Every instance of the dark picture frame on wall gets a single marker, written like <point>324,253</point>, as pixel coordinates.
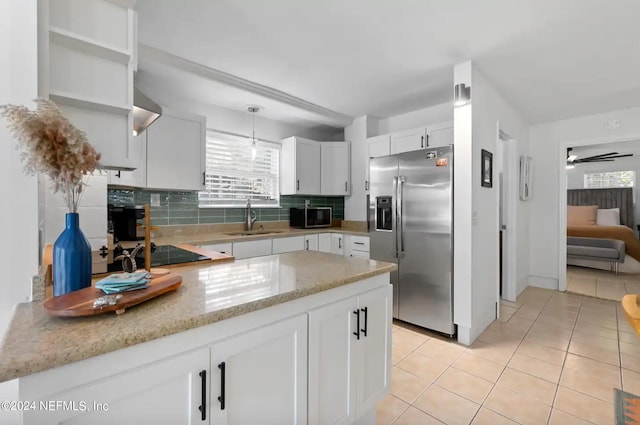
<point>486,167</point>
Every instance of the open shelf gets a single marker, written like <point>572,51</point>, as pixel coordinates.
<point>88,45</point>
<point>84,102</point>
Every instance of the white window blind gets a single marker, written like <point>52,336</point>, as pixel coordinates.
<point>609,179</point>
<point>232,176</point>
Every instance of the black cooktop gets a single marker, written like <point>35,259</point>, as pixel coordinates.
<point>162,255</point>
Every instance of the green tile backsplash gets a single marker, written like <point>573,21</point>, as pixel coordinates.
<point>182,207</point>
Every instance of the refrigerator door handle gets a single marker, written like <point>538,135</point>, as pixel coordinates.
<point>394,226</point>
<point>399,212</point>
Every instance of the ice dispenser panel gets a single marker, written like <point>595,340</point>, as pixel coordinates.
<point>383,213</point>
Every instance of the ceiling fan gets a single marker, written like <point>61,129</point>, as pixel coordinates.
<point>573,159</point>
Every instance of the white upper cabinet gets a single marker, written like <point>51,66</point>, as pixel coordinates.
<point>137,177</point>
<point>85,65</point>
<point>176,151</point>
<point>334,172</point>
<point>300,167</point>
<point>409,140</point>
<point>440,135</point>
<point>379,145</point>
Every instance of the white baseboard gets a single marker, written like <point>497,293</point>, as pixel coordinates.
<point>543,282</point>
<point>466,336</point>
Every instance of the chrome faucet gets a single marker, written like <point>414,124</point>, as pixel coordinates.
<point>251,216</point>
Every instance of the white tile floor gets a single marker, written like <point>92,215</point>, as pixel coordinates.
<point>601,284</point>
<point>552,358</point>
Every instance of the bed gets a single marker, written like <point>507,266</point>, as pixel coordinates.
<point>584,221</point>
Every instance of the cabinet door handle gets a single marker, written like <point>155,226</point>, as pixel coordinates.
<point>364,330</point>
<point>366,185</point>
<point>118,174</point>
<point>339,243</point>
<point>297,184</point>
<point>307,241</point>
<point>346,187</point>
<point>422,141</point>
<point>204,178</point>
<point>223,370</point>
<point>427,140</point>
<point>357,332</point>
<point>203,406</point>
<point>358,243</point>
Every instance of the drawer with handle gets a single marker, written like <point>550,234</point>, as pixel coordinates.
<point>360,243</point>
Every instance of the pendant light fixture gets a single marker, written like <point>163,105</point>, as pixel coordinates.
<point>253,109</point>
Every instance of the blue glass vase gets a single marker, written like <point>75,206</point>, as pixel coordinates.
<point>71,258</point>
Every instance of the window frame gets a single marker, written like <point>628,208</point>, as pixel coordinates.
<point>586,179</point>
<point>226,137</point>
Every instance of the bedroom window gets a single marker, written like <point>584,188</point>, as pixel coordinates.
<point>609,179</point>
<point>232,176</point>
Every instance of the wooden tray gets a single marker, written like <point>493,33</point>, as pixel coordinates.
<point>80,303</point>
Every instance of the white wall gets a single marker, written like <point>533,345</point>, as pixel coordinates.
<point>476,225</point>
<point>239,122</point>
<point>19,209</point>
<point>355,205</point>
<point>431,115</point>
<point>575,176</point>
<point>545,140</point>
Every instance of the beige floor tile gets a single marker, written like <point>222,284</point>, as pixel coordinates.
<point>487,417</point>
<point>632,287</point>
<point>631,381</point>
<point>585,407</point>
<point>629,338</point>
<point>584,382</point>
<point>465,385</point>
<point>528,385</point>
<point>625,327</point>
<point>550,330</point>
<point>407,339</point>
<point>406,386</point>
<point>630,362</point>
<point>597,319</point>
<point>446,352</point>
<point>595,332</point>
<point>389,409</point>
<point>423,367</point>
<point>582,285</point>
<point>530,312</point>
<point>399,352</point>
<point>632,349</point>
<point>606,344</point>
<point>538,368</point>
<point>602,371</point>
<point>610,290</point>
<point>595,353</point>
<point>509,304</point>
<point>558,417</point>
<point>495,352</point>
<point>563,321</point>
<point>479,366</point>
<point>517,407</point>
<point>413,416</point>
<point>446,406</point>
<point>542,352</point>
<point>556,342</point>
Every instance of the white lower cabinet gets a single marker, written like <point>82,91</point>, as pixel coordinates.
<point>250,249</point>
<point>331,242</point>
<point>349,357</point>
<point>311,242</point>
<point>260,377</point>
<point>281,245</point>
<point>164,392</point>
<point>222,248</point>
<point>324,242</point>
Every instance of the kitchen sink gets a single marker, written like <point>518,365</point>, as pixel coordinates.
<point>254,232</point>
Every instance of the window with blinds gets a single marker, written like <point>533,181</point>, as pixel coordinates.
<point>233,176</point>
<point>609,179</point>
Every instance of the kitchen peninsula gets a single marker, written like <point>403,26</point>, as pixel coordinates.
<point>301,337</point>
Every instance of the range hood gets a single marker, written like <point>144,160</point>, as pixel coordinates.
<point>145,111</point>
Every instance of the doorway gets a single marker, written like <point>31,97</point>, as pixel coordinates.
<point>507,197</point>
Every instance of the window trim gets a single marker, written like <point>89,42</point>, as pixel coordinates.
<point>235,137</point>
<point>586,174</point>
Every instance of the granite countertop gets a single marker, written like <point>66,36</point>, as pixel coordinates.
<point>220,237</point>
<point>36,341</point>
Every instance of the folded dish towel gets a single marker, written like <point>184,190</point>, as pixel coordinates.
<point>121,282</point>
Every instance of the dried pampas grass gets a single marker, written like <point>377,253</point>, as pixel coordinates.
<point>53,146</point>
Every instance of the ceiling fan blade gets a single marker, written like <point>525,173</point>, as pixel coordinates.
<point>603,155</point>
<point>586,160</point>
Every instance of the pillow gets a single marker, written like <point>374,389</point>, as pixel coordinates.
<point>608,217</point>
<point>581,215</point>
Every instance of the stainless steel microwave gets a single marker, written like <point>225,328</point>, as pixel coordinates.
<point>307,218</point>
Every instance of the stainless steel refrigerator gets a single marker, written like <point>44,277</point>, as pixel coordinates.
<point>411,224</point>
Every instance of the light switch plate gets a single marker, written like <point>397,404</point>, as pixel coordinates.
<point>155,199</point>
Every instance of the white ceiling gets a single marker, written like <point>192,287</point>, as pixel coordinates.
<point>551,59</point>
